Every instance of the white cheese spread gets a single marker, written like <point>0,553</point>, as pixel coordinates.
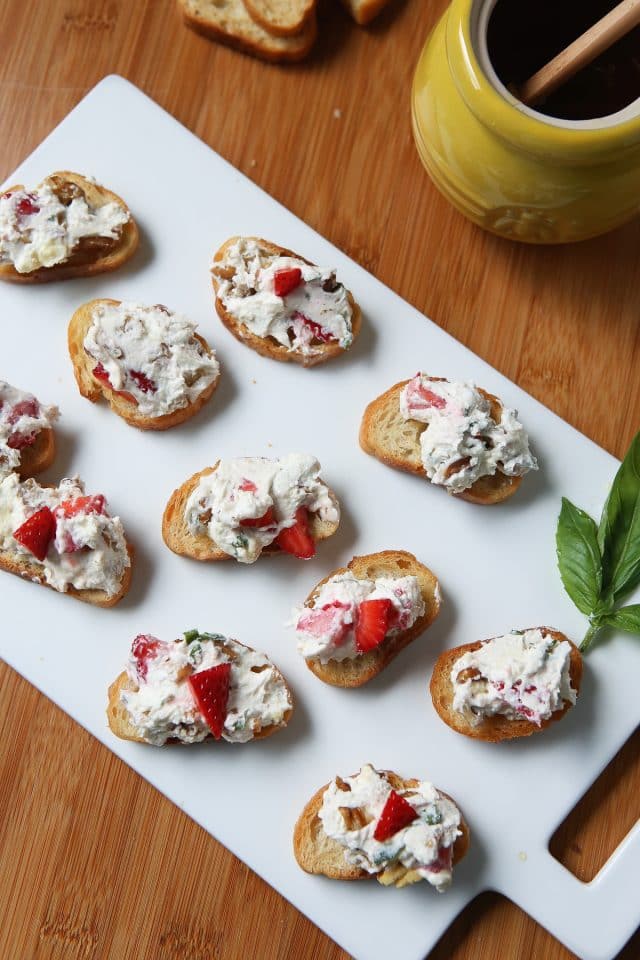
<point>151,353</point>
<point>22,418</point>
<point>462,442</point>
<point>88,550</point>
<point>162,706</point>
<point>425,845</point>
<point>38,230</point>
<point>314,312</point>
<point>522,675</point>
<point>326,629</point>
<point>226,503</point>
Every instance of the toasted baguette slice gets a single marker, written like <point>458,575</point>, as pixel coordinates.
<point>229,22</point>
<point>94,389</point>
<point>83,263</point>
<point>389,563</point>
<point>267,346</point>
<point>364,11</point>
<point>180,540</point>
<point>319,854</point>
<point>282,18</point>
<point>386,435</point>
<point>496,728</point>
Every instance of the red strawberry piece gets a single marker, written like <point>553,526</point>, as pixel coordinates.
<point>444,860</point>
<point>37,532</point>
<point>322,335</point>
<point>266,520</point>
<point>101,374</point>
<point>248,486</point>
<point>18,441</point>
<point>27,206</point>
<point>328,619</point>
<point>422,397</point>
<point>25,408</point>
<point>286,280</point>
<point>71,508</point>
<point>396,815</point>
<point>374,617</point>
<point>210,689</point>
<point>143,382</point>
<point>297,539</point>
<point>144,648</point>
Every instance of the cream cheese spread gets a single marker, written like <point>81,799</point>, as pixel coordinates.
<point>226,503</point>
<point>314,312</point>
<point>162,706</point>
<point>22,418</point>
<point>88,550</point>
<point>151,353</point>
<point>462,441</point>
<point>38,230</point>
<point>522,675</point>
<point>326,629</point>
<point>424,846</point>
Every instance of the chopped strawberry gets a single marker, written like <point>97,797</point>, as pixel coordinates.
<point>210,689</point>
<point>18,441</point>
<point>423,397</point>
<point>286,280</point>
<point>27,205</point>
<point>71,508</point>
<point>443,861</point>
<point>37,532</point>
<point>329,619</point>
<point>248,486</point>
<point>266,520</point>
<point>143,382</point>
<point>374,617</point>
<point>143,649</point>
<point>319,334</point>
<point>25,408</point>
<point>396,815</point>
<point>297,539</point>
<point>101,374</point>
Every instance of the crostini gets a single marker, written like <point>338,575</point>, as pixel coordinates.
<point>457,435</point>
<point>27,441</point>
<point>356,620</point>
<point>377,824</point>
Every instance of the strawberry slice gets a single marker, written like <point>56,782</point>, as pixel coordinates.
<point>396,815</point>
<point>421,398</point>
<point>142,381</point>
<point>297,539</point>
<point>71,508</point>
<point>329,619</point>
<point>286,280</point>
<point>444,860</point>
<point>248,486</point>
<point>374,618</point>
<point>101,374</point>
<point>143,649</point>
<point>25,408</point>
<point>27,205</point>
<point>318,332</point>
<point>37,532</point>
<point>266,520</point>
<point>210,689</point>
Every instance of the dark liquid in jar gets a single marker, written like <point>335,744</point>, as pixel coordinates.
<point>523,35</point>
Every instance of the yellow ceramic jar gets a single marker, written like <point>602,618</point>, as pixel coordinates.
<point>509,168</point>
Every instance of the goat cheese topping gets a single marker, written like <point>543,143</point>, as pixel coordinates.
<point>162,706</point>
<point>83,546</point>
<point>38,229</point>
<point>326,628</point>
<point>462,441</point>
<point>151,353</point>
<point>246,502</point>
<point>522,675</point>
<point>351,811</point>
<point>22,418</point>
<point>299,305</point>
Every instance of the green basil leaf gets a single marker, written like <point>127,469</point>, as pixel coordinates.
<point>626,618</point>
<point>619,532</point>
<point>579,557</point>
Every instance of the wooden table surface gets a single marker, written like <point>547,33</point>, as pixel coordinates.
<point>94,863</point>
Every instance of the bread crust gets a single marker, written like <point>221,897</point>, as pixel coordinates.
<point>485,491</point>
<point>387,563</point>
<point>39,455</point>
<point>259,10</point>
<point>317,853</point>
<point>267,346</point>
<point>97,195</point>
<point>180,540</point>
<point>94,389</point>
<point>497,728</point>
<point>364,11</point>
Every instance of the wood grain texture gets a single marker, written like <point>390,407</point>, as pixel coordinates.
<point>82,876</point>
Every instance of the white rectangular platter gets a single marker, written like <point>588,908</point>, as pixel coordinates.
<point>496,565</point>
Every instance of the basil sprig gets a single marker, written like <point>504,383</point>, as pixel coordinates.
<point>600,565</point>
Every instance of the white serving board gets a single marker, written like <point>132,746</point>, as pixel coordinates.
<point>496,565</point>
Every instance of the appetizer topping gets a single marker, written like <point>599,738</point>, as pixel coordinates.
<point>524,675</point>
<point>54,222</point>
<point>202,685</point>
<point>462,441</point>
<point>149,355</point>
<point>348,617</point>
<point>299,305</point>
<point>248,503</point>
<point>403,834</point>
<point>22,417</point>
<point>70,535</point>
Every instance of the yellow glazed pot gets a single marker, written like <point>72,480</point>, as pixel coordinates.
<point>508,168</point>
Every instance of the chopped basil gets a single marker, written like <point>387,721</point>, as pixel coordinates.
<point>191,635</point>
<point>433,817</point>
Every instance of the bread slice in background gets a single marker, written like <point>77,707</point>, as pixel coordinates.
<point>229,22</point>
<point>386,435</point>
<point>497,728</point>
<point>282,18</point>
<point>364,11</point>
<point>356,671</point>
